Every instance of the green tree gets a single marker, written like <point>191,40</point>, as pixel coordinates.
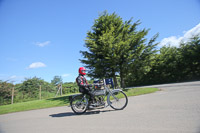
<point>70,87</point>
<point>56,80</point>
<point>5,92</point>
<point>167,67</point>
<point>30,88</point>
<point>99,42</point>
<point>141,65</point>
<point>190,52</point>
<point>113,45</point>
<point>175,64</point>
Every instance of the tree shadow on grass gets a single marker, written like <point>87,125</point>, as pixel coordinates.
<point>63,99</point>
<point>89,112</point>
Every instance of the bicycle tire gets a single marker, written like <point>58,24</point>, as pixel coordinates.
<point>121,98</point>
<point>79,102</point>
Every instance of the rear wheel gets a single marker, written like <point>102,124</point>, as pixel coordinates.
<point>118,100</point>
<point>79,104</point>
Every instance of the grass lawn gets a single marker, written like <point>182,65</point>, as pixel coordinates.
<point>60,101</point>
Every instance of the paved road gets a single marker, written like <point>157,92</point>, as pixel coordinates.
<point>174,109</point>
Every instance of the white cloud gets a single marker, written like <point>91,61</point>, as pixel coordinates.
<point>65,75</point>
<point>36,65</point>
<point>175,41</point>
<point>42,44</point>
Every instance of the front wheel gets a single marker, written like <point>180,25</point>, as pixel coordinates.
<point>118,100</point>
<point>79,104</point>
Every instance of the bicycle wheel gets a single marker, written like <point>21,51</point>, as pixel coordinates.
<point>79,104</point>
<point>118,100</point>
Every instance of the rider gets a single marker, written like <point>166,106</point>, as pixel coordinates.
<point>84,87</point>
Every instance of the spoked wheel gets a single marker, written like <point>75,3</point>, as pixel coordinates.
<point>118,100</point>
<point>79,104</point>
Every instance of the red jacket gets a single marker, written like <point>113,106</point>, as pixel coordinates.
<point>82,82</point>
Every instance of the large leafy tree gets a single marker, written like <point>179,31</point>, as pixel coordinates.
<point>141,65</point>
<point>113,45</point>
<point>190,52</point>
<point>102,43</point>
<point>30,87</point>
<point>167,66</point>
<point>175,64</point>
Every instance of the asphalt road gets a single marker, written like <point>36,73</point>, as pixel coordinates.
<point>174,109</point>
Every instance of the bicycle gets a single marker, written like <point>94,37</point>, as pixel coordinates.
<point>116,99</point>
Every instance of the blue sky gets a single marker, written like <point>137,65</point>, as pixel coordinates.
<point>43,38</point>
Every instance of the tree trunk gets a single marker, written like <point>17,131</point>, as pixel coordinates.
<point>122,80</point>
<point>115,81</point>
<point>115,78</point>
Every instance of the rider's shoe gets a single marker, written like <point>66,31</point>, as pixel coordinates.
<point>91,104</point>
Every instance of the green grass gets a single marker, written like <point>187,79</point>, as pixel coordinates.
<point>60,101</point>
<point>140,91</point>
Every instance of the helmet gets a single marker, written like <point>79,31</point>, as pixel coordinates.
<point>82,71</point>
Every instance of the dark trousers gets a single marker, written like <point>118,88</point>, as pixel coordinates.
<point>87,92</point>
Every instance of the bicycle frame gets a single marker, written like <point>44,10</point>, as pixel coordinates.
<point>109,93</point>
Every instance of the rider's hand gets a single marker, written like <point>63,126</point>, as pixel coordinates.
<point>89,85</point>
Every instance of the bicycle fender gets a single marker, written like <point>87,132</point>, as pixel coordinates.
<point>116,90</point>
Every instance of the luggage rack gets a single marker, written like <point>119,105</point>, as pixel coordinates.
<point>99,84</point>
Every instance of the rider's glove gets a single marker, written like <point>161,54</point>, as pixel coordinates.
<point>90,85</point>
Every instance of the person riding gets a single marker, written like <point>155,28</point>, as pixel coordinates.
<point>84,87</point>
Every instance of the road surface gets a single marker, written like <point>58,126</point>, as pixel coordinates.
<point>174,109</point>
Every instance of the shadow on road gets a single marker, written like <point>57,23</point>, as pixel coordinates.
<point>62,114</point>
<point>90,112</point>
